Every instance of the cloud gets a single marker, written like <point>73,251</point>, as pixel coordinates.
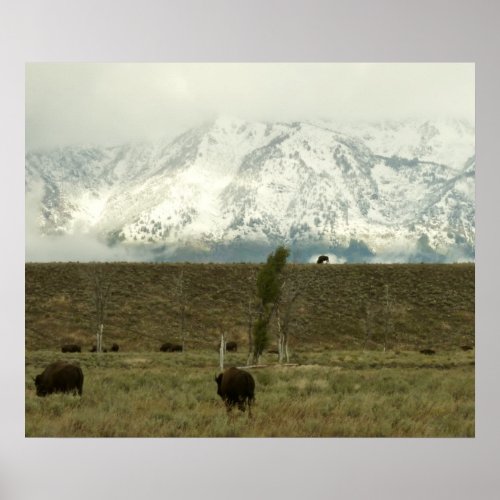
<point>79,246</point>
<point>83,103</point>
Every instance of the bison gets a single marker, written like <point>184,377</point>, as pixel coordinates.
<point>231,346</point>
<point>427,351</point>
<point>115,347</point>
<point>466,347</point>
<point>71,348</point>
<point>236,387</point>
<point>59,377</point>
<point>322,259</point>
<point>169,347</point>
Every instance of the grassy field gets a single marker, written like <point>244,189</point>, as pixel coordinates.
<point>328,393</point>
<point>431,305</point>
<point>337,388</point>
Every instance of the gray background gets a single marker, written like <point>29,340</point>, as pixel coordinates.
<point>274,31</point>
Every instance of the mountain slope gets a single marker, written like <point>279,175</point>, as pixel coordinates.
<point>388,187</point>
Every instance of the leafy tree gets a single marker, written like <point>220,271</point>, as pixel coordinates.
<point>269,286</point>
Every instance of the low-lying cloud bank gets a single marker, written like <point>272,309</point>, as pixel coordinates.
<point>87,247</point>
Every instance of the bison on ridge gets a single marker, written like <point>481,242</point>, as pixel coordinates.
<point>59,377</point>
<point>236,387</point>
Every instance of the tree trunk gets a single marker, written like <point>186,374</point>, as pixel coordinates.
<point>387,312</point>
<point>222,350</point>
<point>250,324</point>
<point>280,336</point>
<point>99,338</point>
<point>256,357</point>
<point>183,335</point>
<point>367,326</point>
<point>181,295</point>
<point>101,292</point>
<point>281,348</point>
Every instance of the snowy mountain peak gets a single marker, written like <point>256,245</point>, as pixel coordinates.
<point>396,190</point>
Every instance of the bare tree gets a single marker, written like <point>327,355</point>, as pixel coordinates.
<point>250,319</point>
<point>283,317</point>
<point>251,312</point>
<point>102,289</point>
<point>387,315</point>
<point>181,300</point>
<point>291,290</point>
<point>368,326</point>
<point>222,351</point>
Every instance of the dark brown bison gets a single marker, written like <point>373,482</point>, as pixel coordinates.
<point>466,347</point>
<point>71,348</point>
<point>169,347</point>
<point>322,259</point>
<point>231,346</point>
<point>115,347</point>
<point>427,351</point>
<point>236,387</point>
<point>59,377</point>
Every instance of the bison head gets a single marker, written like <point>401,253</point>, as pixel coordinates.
<point>40,388</point>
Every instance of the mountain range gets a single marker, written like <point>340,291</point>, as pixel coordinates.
<point>232,190</point>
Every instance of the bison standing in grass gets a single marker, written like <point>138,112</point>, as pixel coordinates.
<point>71,348</point>
<point>236,387</point>
<point>59,377</point>
<point>427,351</point>
<point>169,347</point>
<point>231,346</point>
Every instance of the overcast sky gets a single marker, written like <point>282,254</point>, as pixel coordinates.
<point>105,104</point>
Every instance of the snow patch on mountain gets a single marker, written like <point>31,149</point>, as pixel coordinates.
<point>391,187</point>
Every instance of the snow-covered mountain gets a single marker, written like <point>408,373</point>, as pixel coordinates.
<point>231,189</point>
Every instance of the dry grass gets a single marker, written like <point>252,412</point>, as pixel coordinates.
<point>432,304</point>
<point>332,394</point>
<point>337,389</point>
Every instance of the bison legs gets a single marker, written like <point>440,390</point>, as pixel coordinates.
<point>245,402</point>
<point>241,402</point>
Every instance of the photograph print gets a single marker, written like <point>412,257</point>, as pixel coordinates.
<point>250,250</point>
